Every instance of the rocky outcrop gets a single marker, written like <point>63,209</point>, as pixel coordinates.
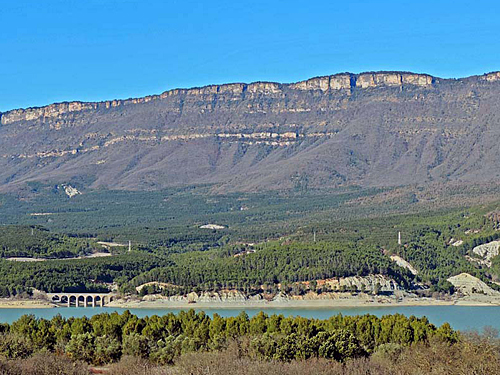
<point>454,242</point>
<point>469,285</point>
<point>370,283</point>
<point>492,77</point>
<point>367,80</point>
<point>71,191</point>
<point>228,296</point>
<point>487,251</point>
<point>50,111</point>
<point>262,138</point>
<point>364,80</point>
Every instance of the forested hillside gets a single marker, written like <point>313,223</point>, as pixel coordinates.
<point>38,242</point>
<point>437,244</point>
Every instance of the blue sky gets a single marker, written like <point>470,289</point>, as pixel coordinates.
<point>62,50</point>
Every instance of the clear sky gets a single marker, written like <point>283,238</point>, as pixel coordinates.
<point>62,50</point>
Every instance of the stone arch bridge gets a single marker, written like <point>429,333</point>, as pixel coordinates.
<point>81,299</point>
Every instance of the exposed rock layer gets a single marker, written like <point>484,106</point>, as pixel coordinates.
<point>336,82</point>
<point>487,251</point>
<point>372,129</point>
<point>468,285</point>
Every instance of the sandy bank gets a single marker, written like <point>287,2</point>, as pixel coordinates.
<point>25,304</point>
<point>305,304</point>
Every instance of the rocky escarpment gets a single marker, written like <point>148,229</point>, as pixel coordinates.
<point>336,287</point>
<point>370,129</point>
<point>345,81</point>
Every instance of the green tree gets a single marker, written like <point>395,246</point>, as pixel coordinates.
<point>340,345</point>
<point>135,345</point>
<point>81,347</point>
<point>107,350</point>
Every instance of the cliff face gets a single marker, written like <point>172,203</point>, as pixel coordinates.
<point>336,82</point>
<point>381,128</point>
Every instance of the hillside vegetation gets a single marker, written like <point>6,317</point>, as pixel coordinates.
<point>216,261</point>
<point>38,242</point>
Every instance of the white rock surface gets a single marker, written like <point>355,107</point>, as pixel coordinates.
<point>487,251</point>
<point>403,263</point>
<point>468,285</point>
<point>71,191</point>
<point>212,226</point>
<point>368,283</point>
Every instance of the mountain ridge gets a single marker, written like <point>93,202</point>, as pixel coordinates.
<point>369,129</point>
<point>344,80</point>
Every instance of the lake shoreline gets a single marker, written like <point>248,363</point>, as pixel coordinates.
<point>299,304</point>
<point>160,304</point>
<point>6,303</point>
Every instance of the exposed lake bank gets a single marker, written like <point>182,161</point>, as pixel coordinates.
<point>7,303</point>
<point>292,302</point>
<point>304,304</point>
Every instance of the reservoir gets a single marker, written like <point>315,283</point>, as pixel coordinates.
<point>460,317</point>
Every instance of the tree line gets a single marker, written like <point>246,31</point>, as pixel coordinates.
<point>105,338</point>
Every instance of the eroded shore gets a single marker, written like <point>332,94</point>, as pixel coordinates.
<point>6,303</point>
<point>305,304</point>
<point>354,302</point>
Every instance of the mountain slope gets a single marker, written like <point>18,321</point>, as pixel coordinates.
<point>370,129</point>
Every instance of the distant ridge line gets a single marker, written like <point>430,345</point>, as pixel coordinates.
<point>338,81</point>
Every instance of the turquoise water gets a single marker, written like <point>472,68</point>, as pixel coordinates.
<point>460,317</point>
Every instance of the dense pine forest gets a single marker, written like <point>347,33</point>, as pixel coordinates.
<point>264,246</point>
<point>190,258</point>
<point>39,242</point>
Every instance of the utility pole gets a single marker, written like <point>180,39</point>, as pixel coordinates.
<point>314,236</point>
<point>399,238</point>
<point>129,245</point>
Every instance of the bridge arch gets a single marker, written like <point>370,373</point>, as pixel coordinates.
<point>89,301</point>
<point>80,299</point>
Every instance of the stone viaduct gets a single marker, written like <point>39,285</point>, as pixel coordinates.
<point>81,299</point>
